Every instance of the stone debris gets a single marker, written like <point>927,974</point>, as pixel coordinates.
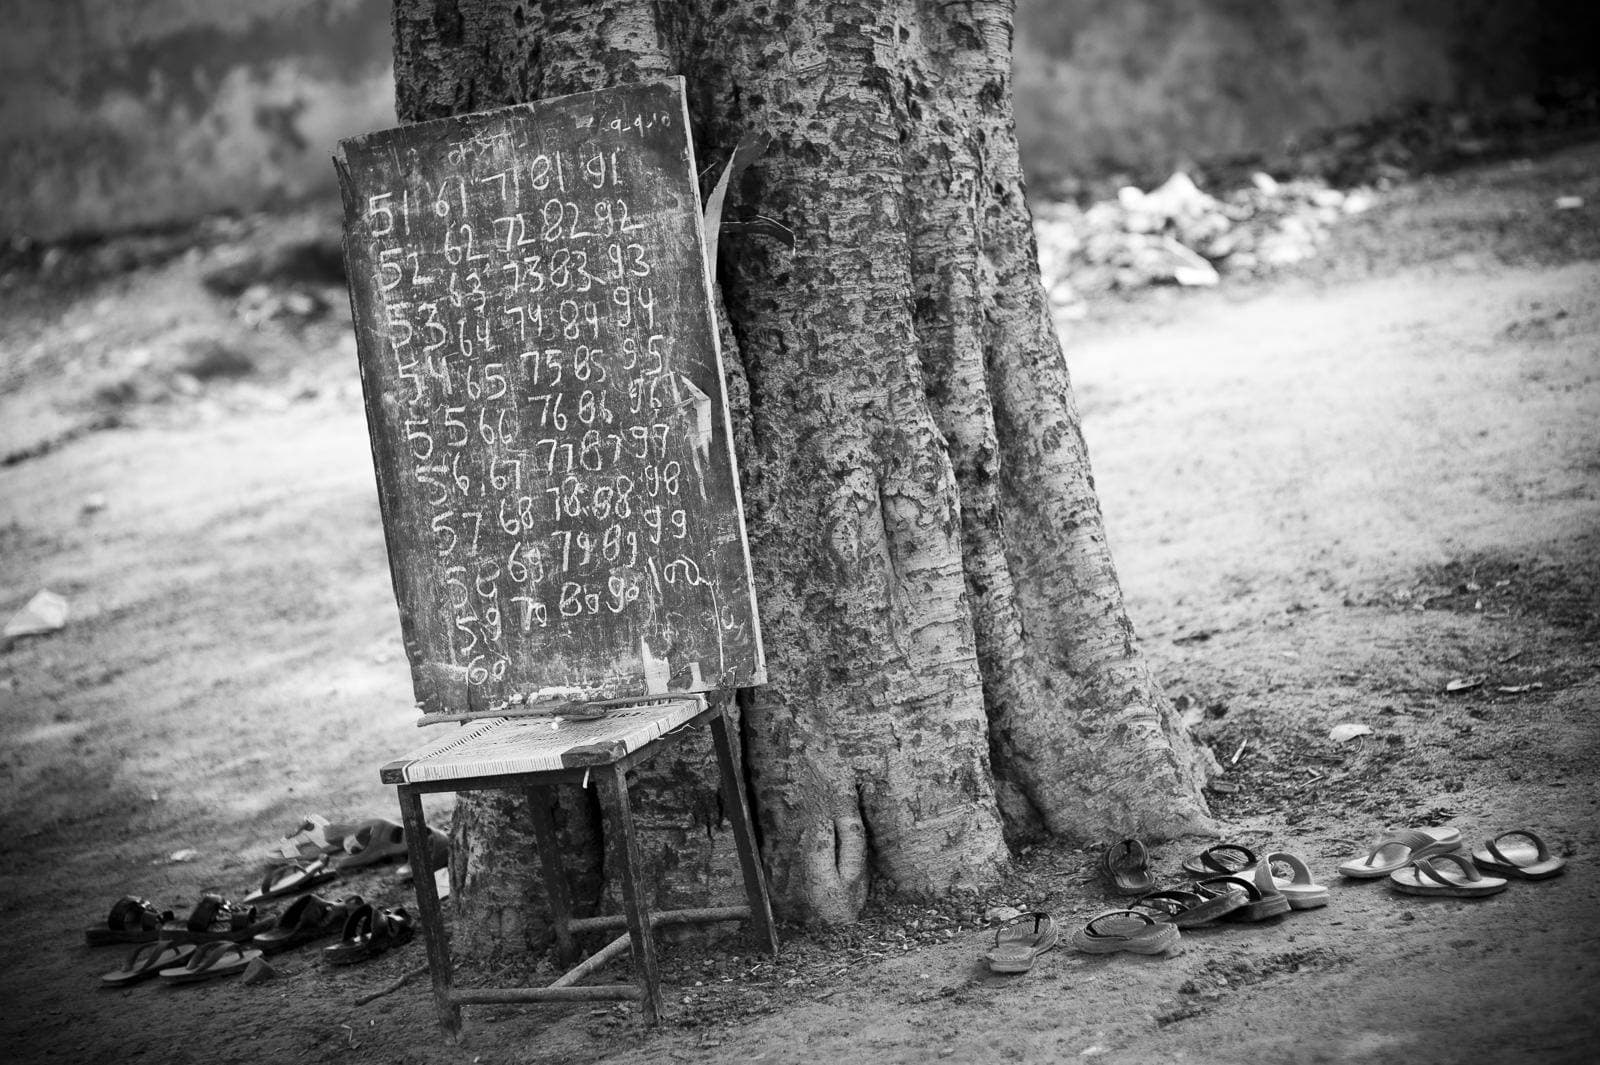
<point>259,971</point>
<point>1178,234</point>
<point>46,612</point>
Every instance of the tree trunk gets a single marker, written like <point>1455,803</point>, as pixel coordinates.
<point>951,662</point>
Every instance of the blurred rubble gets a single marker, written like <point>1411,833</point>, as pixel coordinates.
<point>1264,213</point>
<point>1179,234</point>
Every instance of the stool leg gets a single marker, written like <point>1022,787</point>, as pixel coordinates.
<point>738,815</point>
<point>622,849</point>
<point>432,917</point>
<point>555,885</point>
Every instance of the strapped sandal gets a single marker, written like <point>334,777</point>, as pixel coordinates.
<point>371,842</point>
<point>147,960</point>
<point>1259,905</point>
<point>1523,862</point>
<point>1299,888</point>
<point>1129,930</point>
<point>132,920</point>
<point>1127,866</point>
<point>1397,850</point>
<point>1016,946</point>
<point>368,932</point>
<point>292,877</point>
<point>1224,859</point>
<point>308,917</point>
<point>214,918</point>
<point>1189,908</point>
<point>209,961</point>
<point>1425,877</point>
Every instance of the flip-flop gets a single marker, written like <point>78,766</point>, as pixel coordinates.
<point>1130,930</point>
<point>132,920</point>
<point>1224,859</point>
<point>292,877</point>
<point>1299,888</point>
<point>368,932</point>
<point>147,960</point>
<point>1127,866</point>
<point>210,961</point>
<point>1019,942</point>
<point>1527,861</point>
<point>308,917</point>
<point>1424,877</point>
<point>1188,908</point>
<point>1259,904</point>
<point>1396,850</point>
<point>371,842</point>
<point>215,918</point>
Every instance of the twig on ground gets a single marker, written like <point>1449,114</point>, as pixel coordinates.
<point>392,988</point>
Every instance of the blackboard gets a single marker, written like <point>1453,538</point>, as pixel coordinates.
<point>545,402</point>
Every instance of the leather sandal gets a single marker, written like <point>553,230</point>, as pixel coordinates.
<point>132,920</point>
<point>369,932</point>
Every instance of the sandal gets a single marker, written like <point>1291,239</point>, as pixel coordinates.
<point>214,919</point>
<point>1299,888</point>
<point>1190,908</point>
<point>1017,947</point>
<point>308,917</point>
<point>132,920</point>
<point>368,932</point>
<point>1259,905</point>
<point>371,842</point>
<point>147,960</point>
<point>1525,862</point>
<point>1224,859</point>
<point>1397,850</point>
<point>1424,877</point>
<point>210,961</point>
<point>1127,930</point>
<point>292,877</point>
<point>1127,866</point>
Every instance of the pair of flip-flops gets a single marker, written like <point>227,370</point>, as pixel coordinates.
<point>1437,861</point>
<point>181,963</point>
<point>1231,882</point>
<point>1518,854</point>
<point>368,932</point>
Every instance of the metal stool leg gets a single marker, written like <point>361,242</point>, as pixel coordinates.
<point>622,850</point>
<point>555,885</point>
<point>431,914</point>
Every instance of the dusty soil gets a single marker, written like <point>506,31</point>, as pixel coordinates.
<point>1330,495</point>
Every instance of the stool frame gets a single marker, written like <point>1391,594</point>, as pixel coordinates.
<point>609,773</point>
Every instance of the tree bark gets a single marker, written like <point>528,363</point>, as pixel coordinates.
<point>951,662</point>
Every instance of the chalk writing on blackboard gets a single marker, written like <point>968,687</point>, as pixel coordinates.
<point>545,401</point>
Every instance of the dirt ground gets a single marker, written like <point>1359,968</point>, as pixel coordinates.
<point>1330,494</point>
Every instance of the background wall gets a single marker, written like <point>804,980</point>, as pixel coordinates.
<point>1143,85</point>
<point>119,114</point>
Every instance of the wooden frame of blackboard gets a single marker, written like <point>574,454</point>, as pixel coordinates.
<point>544,393</point>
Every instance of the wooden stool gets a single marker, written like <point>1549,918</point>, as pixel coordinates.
<point>529,754</point>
